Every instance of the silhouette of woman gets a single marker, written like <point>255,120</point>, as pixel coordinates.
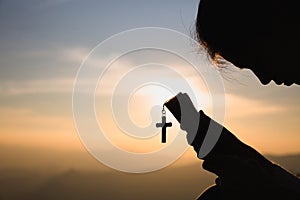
<point>261,36</point>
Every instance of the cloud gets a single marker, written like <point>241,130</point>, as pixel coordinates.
<point>12,88</point>
<point>70,54</point>
<point>239,106</point>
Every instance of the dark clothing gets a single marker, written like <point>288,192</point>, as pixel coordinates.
<point>243,173</point>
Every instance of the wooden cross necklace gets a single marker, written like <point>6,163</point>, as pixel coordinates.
<point>163,125</point>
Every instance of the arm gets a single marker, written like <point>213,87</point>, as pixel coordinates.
<point>237,164</point>
<point>196,124</point>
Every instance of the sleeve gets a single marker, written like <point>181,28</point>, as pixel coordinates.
<point>237,164</point>
<point>227,144</point>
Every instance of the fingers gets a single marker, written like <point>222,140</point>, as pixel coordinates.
<point>174,106</point>
<point>189,116</point>
<point>186,114</point>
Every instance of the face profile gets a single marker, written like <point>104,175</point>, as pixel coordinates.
<point>258,35</point>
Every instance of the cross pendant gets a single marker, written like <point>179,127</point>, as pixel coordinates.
<point>164,126</point>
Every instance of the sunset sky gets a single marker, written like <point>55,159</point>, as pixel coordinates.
<point>43,44</point>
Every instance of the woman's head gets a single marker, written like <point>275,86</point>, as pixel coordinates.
<point>259,35</point>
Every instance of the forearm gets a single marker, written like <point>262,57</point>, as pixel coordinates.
<point>239,166</point>
<point>227,145</point>
<point>235,161</point>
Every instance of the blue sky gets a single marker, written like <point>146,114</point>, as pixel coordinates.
<point>43,43</point>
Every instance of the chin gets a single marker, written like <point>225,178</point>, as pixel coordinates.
<point>285,83</point>
<point>282,83</point>
<point>268,80</point>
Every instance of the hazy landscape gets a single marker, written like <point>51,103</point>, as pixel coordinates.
<point>31,174</point>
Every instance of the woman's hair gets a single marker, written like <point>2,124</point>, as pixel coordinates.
<point>248,33</point>
<point>224,27</point>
